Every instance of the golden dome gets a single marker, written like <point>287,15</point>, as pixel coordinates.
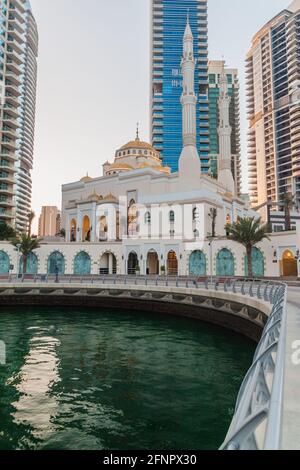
<point>120,166</point>
<point>163,169</point>
<point>86,179</point>
<point>138,144</point>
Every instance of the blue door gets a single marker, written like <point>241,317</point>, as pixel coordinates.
<point>4,263</point>
<point>32,264</point>
<point>225,263</point>
<point>258,263</point>
<point>197,263</point>
<point>82,264</point>
<point>56,260</point>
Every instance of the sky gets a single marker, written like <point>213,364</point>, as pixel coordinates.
<point>93,80</point>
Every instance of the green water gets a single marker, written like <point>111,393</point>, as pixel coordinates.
<point>114,380</point>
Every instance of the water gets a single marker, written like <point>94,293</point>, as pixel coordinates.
<point>115,380</point>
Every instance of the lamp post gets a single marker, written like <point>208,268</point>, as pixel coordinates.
<point>211,239</point>
<point>18,255</point>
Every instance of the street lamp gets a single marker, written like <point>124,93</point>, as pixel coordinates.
<point>18,246</point>
<point>211,239</point>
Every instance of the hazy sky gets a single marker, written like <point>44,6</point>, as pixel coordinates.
<point>93,79</point>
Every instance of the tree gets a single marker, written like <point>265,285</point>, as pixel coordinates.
<point>26,245</point>
<point>61,233</point>
<point>248,232</point>
<point>6,231</point>
<point>31,216</point>
<point>287,201</point>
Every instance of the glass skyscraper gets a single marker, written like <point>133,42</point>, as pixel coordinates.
<point>168,21</point>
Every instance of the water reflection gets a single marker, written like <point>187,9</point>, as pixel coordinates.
<point>113,380</point>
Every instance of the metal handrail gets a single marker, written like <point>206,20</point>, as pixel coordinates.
<point>260,400</point>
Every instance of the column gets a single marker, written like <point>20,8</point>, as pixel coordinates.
<point>110,263</point>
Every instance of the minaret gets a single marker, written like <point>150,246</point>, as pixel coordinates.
<point>189,162</point>
<point>224,167</point>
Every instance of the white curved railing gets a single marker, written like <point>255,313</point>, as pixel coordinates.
<point>257,420</point>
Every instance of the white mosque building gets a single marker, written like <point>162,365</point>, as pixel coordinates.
<point>139,218</point>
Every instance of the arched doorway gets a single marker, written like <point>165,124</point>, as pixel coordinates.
<point>56,261</point>
<point>132,218</point>
<point>103,229</point>
<point>4,263</point>
<point>73,230</point>
<point>31,265</point>
<point>197,264</point>
<point>133,263</point>
<point>86,229</point>
<point>108,264</point>
<point>152,263</point>
<point>289,264</point>
<point>172,264</point>
<point>258,263</point>
<point>82,264</point>
<point>225,263</point>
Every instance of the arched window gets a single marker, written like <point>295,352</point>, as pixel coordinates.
<point>258,263</point>
<point>73,228</point>
<point>172,216</point>
<point>133,263</point>
<point>31,265</point>
<point>82,264</point>
<point>197,264</point>
<point>147,218</point>
<point>4,263</point>
<point>86,229</point>
<point>225,263</point>
<point>56,263</point>
<point>132,217</point>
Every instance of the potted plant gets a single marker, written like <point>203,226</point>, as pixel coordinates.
<point>137,270</point>
<point>163,270</point>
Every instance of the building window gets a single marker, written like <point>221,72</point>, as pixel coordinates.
<point>172,216</point>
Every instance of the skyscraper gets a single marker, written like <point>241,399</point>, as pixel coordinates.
<point>28,104</point>
<point>18,44</point>
<point>215,71</point>
<point>168,22</point>
<point>273,92</point>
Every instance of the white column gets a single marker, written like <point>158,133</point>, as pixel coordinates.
<point>110,263</point>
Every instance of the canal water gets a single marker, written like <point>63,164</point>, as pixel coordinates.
<point>78,379</point>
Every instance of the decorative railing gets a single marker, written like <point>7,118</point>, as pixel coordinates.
<point>257,420</point>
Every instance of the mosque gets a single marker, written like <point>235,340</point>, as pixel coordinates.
<point>139,218</point>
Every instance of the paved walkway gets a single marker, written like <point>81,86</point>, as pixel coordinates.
<point>291,408</point>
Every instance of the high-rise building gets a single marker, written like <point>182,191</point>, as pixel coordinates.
<point>18,50</point>
<point>273,93</point>
<point>49,221</point>
<point>168,22</point>
<point>216,69</point>
<point>28,105</point>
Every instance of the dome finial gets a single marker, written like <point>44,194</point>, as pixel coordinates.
<point>137,131</point>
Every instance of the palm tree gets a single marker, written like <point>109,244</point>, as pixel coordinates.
<point>287,201</point>
<point>248,232</point>
<point>31,216</point>
<point>26,245</point>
